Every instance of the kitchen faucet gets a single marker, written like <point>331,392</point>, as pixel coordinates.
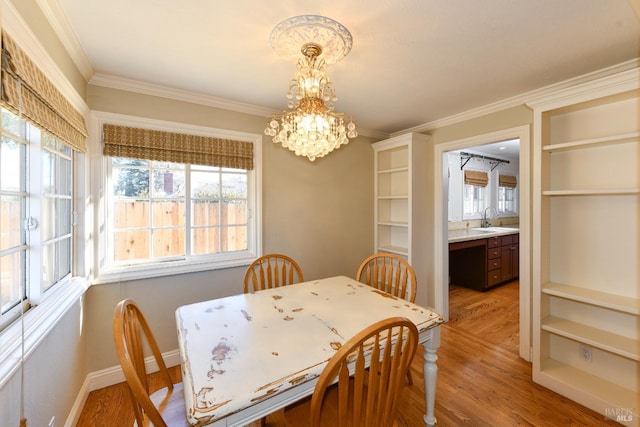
<point>485,221</point>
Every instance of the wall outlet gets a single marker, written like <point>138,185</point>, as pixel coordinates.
<point>586,353</point>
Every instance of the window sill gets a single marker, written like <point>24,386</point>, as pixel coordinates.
<point>168,268</point>
<point>38,322</point>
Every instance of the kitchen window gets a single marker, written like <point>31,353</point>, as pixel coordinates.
<point>474,193</point>
<point>474,200</point>
<point>507,202</point>
<point>507,195</point>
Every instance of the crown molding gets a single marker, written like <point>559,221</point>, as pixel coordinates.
<point>145,88</point>
<point>130,85</point>
<point>622,81</point>
<point>622,73</point>
<point>13,23</point>
<point>60,24</point>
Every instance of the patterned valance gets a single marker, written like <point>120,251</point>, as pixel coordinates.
<point>122,141</point>
<point>478,178</point>
<point>507,181</point>
<point>26,90</point>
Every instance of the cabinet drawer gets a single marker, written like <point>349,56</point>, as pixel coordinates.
<point>494,277</point>
<point>506,240</point>
<point>493,253</point>
<point>493,242</point>
<point>492,264</point>
<point>516,238</point>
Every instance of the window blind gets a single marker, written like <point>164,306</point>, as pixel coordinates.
<point>148,144</point>
<point>481,179</point>
<point>26,90</point>
<point>507,181</point>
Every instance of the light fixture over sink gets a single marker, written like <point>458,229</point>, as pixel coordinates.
<point>310,127</point>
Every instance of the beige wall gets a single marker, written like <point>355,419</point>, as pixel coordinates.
<point>53,375</point>
<point>320,213</point>
<point>508,118</point>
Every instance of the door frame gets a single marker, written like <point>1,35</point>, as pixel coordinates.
<point>441,250</point>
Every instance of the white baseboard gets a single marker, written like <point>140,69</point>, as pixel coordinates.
<point>76,410</point>
<point>108,377</point>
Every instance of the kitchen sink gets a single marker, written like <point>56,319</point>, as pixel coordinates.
<point>494,229</point>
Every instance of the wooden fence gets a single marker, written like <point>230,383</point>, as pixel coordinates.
<point>217,227</point>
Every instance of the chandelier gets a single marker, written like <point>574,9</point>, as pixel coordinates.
<point>310,127</point>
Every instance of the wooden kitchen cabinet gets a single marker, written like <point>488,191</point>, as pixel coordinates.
<point>510,256</point>
<point>483,263</point>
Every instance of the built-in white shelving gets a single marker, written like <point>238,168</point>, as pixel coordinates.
<point>400,202</point>
<point>586,320</point>
<point>594,297</point>
<point>593,142</point>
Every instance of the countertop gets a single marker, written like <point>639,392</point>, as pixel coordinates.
<point>466,234</point>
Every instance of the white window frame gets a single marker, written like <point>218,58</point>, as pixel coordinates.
<point>507,213</point>
<point>485,201</point>
<point>33,220</point>
<point>106,273</point>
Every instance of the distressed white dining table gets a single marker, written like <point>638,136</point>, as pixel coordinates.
<point>248,355</point>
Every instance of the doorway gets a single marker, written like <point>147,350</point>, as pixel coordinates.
<point>441,253</point>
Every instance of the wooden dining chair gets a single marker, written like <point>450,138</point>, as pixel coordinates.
<point>165,407</point>
<point>392,274</point>
<point>389,273</point>
<point>366,396</point>
<point>272,271</point>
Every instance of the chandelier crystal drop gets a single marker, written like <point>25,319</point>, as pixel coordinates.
<point>310,127</point>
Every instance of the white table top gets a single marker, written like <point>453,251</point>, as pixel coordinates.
<point>240,350</point>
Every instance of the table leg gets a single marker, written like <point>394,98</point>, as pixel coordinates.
<point>430,370</point>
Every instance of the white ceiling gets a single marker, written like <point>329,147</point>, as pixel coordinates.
<point>412,61</point>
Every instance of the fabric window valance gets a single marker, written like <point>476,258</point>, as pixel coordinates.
<point>507,181</point>
<point>122,141</point>
<point>42,103</point>
<point>478,178</point>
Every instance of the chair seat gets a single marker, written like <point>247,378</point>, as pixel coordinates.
<point>171,407</point>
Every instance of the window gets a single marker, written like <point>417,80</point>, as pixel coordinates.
<point>473,200</point>
<point>507,196</point>
<point>506,200</point>
<point>164,211</point>
<point>474,194</point>
<point>36,214</point>
<point>168,217</point>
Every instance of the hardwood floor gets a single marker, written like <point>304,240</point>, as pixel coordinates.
<point>492,315</point>
<point>481,379</point>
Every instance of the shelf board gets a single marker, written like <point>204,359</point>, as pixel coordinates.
<point>604,340</point>
<point>393,170</point>
<point>393,197</point>
<point>394,224</point>
<point>594,142</point>
<point>398,250</point>
<point>589,296</point>
<point>594,192</point>
<point>585,388</point>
